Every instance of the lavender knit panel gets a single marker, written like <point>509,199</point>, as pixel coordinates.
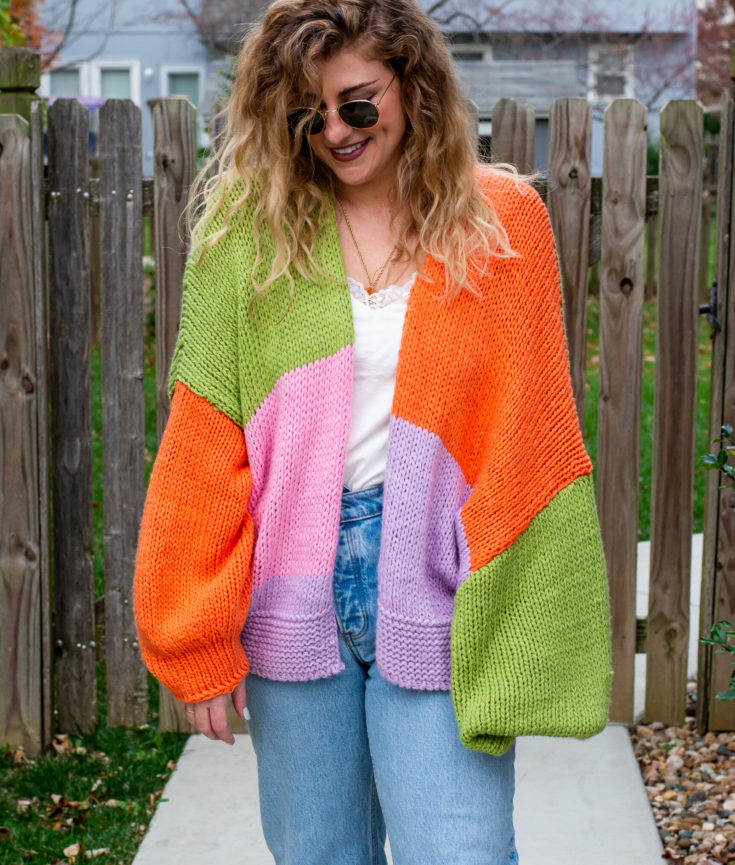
<point>296,443</point>
<point>423,558</point>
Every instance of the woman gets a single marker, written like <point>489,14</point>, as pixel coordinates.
<point>399,549</point>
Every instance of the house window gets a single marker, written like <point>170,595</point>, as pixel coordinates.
<point>115,79</point>
<point>64,82</point>
<point>610,72</point>
<point>184,84</point>
<point>115,84</point>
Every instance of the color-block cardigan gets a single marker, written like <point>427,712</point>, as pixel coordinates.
<point>491,579</point>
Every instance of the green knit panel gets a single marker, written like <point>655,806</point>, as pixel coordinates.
<point>530,644</point>
<point>282,334</point>
<point>275,334</point>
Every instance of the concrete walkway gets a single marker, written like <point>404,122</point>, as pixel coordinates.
<point>576,802</point>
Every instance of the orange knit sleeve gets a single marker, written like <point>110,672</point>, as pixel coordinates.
<point>192,580</point>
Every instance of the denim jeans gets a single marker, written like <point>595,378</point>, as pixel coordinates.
<point>342,757</point>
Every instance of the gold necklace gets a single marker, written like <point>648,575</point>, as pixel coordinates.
<point>375,279</point>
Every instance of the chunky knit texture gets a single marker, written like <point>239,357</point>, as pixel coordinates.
<point>491,575</point>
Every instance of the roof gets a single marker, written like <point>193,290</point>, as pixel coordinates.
<point>540,82</point>
<point>564,16</point>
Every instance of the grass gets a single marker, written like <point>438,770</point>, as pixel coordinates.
<point>94,795</point>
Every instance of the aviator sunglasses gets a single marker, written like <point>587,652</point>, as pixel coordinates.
<point>358,113</point>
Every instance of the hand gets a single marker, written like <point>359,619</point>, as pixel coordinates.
<point>210,716</point>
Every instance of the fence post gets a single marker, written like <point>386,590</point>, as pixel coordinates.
<point>24,615</point>
<point>672,495</point>
<point>514,131</point>
<point>20,76</point>
<point>717,600</point>
<point>569,189</point>
<point>71,421</point>
<point>174,131</point>
<point>618,429</point>
<point>123,409</point>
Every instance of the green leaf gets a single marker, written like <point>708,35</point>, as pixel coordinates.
<point>725,695</point>
<point>709,460</point>
<point>726,430</point>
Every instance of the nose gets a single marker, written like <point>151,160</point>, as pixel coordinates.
<point>335,129</point>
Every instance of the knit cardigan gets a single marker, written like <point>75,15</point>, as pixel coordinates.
<point>491,577</point>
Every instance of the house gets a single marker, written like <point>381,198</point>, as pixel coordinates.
<point>137,49</point>
<point>538,50</point>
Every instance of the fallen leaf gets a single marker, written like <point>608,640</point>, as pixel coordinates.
<point>97,784</point>
<point>22,805</point>
<point>20,759</point>
<point>61,743</point>
<point>111,803</point>
<point>99,851</point>
<point>72,850</point>
<point>56,798</point>
<point>5,834</point>
<point>171,765</point>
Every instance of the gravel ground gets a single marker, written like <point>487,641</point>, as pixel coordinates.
<point>690,781</point>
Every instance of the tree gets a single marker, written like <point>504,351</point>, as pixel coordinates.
<point>19,24</point>
<point>716,28</point>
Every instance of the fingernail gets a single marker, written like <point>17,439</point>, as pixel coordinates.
<point>246,713</point>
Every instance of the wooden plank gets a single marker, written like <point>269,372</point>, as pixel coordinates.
<point>20,580</point>
<point>710,611</point>
<point>174,131</point>
<point>621,315</point>
<point>569,187</point>
<point>123,408</point>
<point>672,492</point>
<point>514,130</point>
<point>69,339</point>
<point>722,599</point>
<point>40,303</point>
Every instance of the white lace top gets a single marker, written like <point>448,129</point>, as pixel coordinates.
<point>378,327</point>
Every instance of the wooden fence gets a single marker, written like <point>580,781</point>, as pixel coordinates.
<point>48,230</point>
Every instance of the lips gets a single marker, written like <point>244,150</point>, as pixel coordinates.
<point>352,151</point>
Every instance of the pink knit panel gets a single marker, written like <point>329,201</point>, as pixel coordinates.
<point>296,444</point>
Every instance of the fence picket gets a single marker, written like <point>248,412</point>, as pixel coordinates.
<point>672,494</point>
<point>568,197</point>
<point>20,576</point>
<point>718,562</point>
<point>40,303</point>
<point>69,341</point>
<point>514,131</point>
<point>174,129</point>
<point>123,408</point>
<point>621,312</point>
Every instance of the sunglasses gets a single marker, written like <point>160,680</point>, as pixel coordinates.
<point>359,114</point>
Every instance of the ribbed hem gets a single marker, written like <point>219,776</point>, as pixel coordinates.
<point>413,654</point>
<point>292,650</point>
<point>198,675</point>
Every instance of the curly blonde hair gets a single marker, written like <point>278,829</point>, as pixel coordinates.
<point>274,170</point>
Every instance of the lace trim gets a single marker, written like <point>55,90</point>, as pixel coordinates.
<point>381,298</point>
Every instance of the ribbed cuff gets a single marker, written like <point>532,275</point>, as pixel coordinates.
<point>199,675</point>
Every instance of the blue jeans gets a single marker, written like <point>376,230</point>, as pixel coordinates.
<point>341,757</point>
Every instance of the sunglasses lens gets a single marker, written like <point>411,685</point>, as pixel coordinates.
<point>359,114</point>
<point>310,121</point>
